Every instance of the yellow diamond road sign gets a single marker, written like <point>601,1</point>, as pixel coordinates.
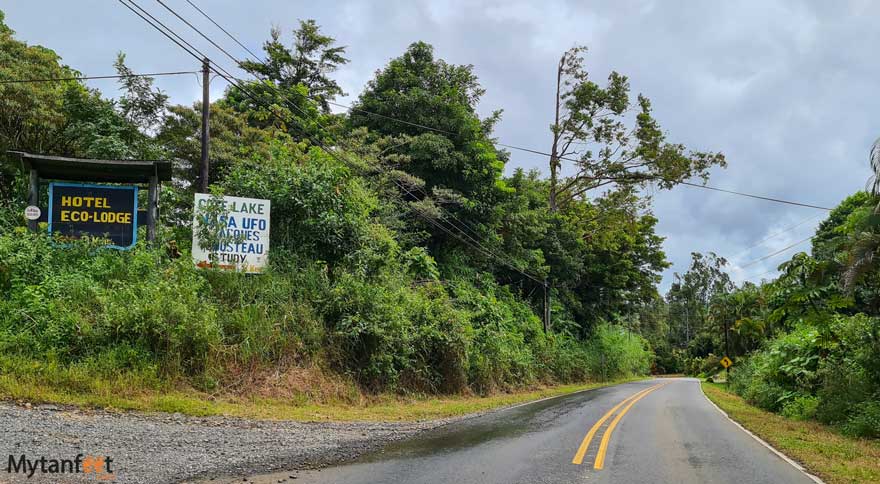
<point>725,362</point>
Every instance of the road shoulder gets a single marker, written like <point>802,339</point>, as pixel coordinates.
<point>810,446</point>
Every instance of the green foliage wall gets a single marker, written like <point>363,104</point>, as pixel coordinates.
<point>364,281</point>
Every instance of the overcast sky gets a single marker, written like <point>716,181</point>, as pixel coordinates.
<point>783,89</point>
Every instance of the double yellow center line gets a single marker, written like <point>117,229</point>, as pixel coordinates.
<point>606,437</point>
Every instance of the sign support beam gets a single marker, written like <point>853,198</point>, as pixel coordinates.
<point>152,208</point>
<point>33,196</point>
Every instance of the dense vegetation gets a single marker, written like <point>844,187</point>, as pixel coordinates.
<point>806,344</point>
<point>403,259</point>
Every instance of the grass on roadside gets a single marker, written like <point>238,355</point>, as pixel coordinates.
<point>112,395</point>
<point>822,450</point>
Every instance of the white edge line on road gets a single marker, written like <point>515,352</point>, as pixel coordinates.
<point>784,457</point>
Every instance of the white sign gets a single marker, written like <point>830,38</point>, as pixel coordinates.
<point>32,213</point>
<point>243,229</point>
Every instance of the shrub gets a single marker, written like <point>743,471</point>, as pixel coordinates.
<point>864,420</point>
<point>318,209</point>
<point>827,375</point>
<point>379,314</point>
<point>844,386</point>
<point>802,407</point>
<point>742,376</point>
<point>391,336</point>
<point>614,352</point>
<point>504,332</point>
<point>710,365</point>
<point>271,317</point>
<point>767,395</point>
<point>76,302</point>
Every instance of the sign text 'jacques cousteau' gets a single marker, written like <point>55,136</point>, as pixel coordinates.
<point>243,233</point>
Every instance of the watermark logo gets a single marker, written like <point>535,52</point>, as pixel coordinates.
<point>99,467</point>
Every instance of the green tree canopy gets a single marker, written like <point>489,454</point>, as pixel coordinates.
<point>309,63</point>
<point>595,135</point>
<point>456,154</point>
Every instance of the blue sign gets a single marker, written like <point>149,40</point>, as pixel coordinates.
<point>99,211</point>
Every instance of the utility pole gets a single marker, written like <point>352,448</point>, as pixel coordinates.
<point>206,135</point>
<point>546,307</point>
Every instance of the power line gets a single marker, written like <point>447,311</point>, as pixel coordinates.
<point>776,234</point>
<point>764,273</point>
<point>444,131</point>
<point>776,253</point>
<point>255,56</point>
<point>760,197</point>
<point>221,49</point>
<point>163,32</point>
<point>232,80</point>
<point>543,153</point>
<point>238,62</point>
<point>87,78</point>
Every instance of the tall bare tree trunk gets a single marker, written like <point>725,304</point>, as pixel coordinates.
<point>554,151</point>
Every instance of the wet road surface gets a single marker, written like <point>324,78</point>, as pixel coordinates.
<point>653,431</point>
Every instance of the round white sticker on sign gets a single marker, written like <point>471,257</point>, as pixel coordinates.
<point>32,213</point>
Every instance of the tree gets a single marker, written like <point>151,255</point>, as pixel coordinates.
<point>601,257</point>
<point>691,295</point>
<point>592,134</point>
<point>310,61</point>
<point>742,312</point>
<point>65,117</point>
<point>30,113</point>
<point>455,156</point>
<point>142,105</point>
<point>864,246</point>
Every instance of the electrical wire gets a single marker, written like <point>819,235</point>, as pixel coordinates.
<point>498,143</point>
<point>171,34</point>
<point>776,234</point>
<point>255,56</point>
<point>179,44</point>
<point>87,78</point>
<point>217,46</point>
<point>759,197</point>
<point>277,91</point>
<point>750,263</point>
<point>764,274</point>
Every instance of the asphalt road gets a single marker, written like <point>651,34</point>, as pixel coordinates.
<point>661,430</point>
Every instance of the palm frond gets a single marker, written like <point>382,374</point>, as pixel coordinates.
<point>874,159</point>
<point>862,259</point>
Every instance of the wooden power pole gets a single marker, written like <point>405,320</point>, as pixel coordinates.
<point>206,135</point>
